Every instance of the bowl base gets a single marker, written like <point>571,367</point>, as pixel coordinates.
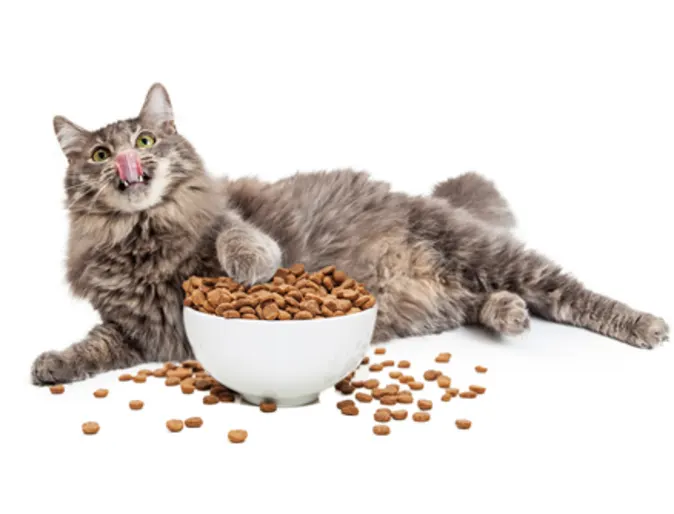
<point>298,401</point>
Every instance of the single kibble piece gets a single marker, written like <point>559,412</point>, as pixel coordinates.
<point>389,399</point>
<point>57,389</point>
<point>125,377</point>
<point>339,276</point>
<point>405,398</point>
<point>187,388</point>
<point>297,269</point>
<point>136,404</point>
<point>268,407</point>
<point>463,424</point>
<point>453,391</point>
<point>468,394</point>
<point>416,386</point>
<point>480,369</point>
<point>376,367</point>
<point>372,383</point>
<point>363,397</point>
<point>381,430</point>
<point>101,393</point>
<point>425,404</point>
<point>387,363</point>
<point>431,375</point>
<point>421,417</point>
<point>345,403</point>
<point>347,388</point>
<point>357,383</point>
<point>350,410</point>
<point>146,372</point>
<point>203,384</point>
<point>404,364</point>
<point>380,351</point>
<point>172,381</point>
<point>159,372</point>
<point>194,422</point>
<point>395,374</point>
<point>237,436</point>
<point>174,425</point>
<point>444,382</point>
<point>210,400</point>
<point>90,427</point>
<point>140,379</point>
<point>406,379</point>
<point>382,416</point>
<point>443,357</point>
<point>477,389</point>
<point>399,415</point>
<point>446,397</point>
<point>170,365</point>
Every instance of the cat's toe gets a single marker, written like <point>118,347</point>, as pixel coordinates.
<point>649,331</point>
<point>50,368</point>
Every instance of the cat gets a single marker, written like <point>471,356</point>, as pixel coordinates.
<point>144,215</point>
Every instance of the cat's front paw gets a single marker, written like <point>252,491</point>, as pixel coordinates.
<point>249,257</point>
<point>51,368</point>
<point>649,331</point>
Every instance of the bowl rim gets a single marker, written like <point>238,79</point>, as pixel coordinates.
<point>285,322</point>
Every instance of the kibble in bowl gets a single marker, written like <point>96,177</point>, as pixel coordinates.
<point>284,341</point>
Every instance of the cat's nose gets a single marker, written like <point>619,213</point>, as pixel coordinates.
<point>128,166</point>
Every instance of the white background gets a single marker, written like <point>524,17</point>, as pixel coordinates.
<point>568,106</point>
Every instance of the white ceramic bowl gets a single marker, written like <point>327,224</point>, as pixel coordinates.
<point>290,362</point>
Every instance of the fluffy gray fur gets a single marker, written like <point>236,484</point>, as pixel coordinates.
<point>434,262</point>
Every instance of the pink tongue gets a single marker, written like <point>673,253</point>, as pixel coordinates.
<point>128,166</point>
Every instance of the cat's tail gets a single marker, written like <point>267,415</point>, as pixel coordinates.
<point>479,196</point>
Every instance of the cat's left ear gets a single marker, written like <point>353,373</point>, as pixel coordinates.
<point>157,110</point>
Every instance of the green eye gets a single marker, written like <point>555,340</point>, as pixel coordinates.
<point>144,141</point>
<point>100,154</point>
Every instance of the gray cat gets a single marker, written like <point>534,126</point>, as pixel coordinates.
<point>144,215</point>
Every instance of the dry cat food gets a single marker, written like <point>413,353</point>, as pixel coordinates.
<point>421,417</point>
<point>174,425</point>
<point>350,410</point>
<point>404,364</point>
<point>425,404</point>
<point>100,393</point>
<point>345,403</point>
<point>237,436</point>
<point>125,377</point>
<point>468,394</point>
<point>443,357</point>
<point>136,404</point>
<point>444,382</point>
<point>293,293</point>
<point>379,351</point>
<point>381,430</point>
<point>480,369</point>
<point>382,415</point>
<point>139,379</point>
<point>363,397</point>
<point>268,407</point>
<point>477,389</point>
<point>399,415</point>
<point>90,427</point>
<point>57,389</point>
<point>209,399</point>
<point>194,422</point>
<point>376,367</point>
<point>463,424</point>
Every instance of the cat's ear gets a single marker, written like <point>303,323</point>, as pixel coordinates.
<point>157,109</point>
<point>71,137</point>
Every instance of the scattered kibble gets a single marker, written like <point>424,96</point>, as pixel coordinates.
<point>381,430</point>
<point>90,428</point>
<point>480,369</point>
<point>194,422</point>
<point>421,417</point>
<point>126,377</point>
<point>57,389</point>
<point>468,394</point>
<point>404,364</point>
<point>136,404</point>
<point>100,393</point>
<point>477,389</point>
<point>380,351</point>
<point>174,425</point>
<point>425,404</point>
<point>237,436</point>
<point>463,424</point>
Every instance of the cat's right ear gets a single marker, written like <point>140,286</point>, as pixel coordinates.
<point>71,137</point>
<point>157,109</point>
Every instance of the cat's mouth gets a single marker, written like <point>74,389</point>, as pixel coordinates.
<point>139,181</point>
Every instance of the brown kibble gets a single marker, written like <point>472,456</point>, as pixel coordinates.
<point>203,384</point>
<point>136,404</point>
<point>350,410</point>
<point>284,316</point>
<point>376,367</point>
<point>237,436</point>
<point>404,364</point>
<point>372,383</point>
<point>468,394</point>
<point>463,424</point>
<point>405,398</point>
<point>345,403</point>
<point>90,428</point>
<point>453,391</point>
<point>425,404</point>
<point>328,270</point>
<point>179,373</point>
<point>380,351</point>
<point>172,381</point>
<point>387,364</point>
<point>194,422</point>
<point>421,417</point>
<point>406,379</point>
<point>395,374</point>
<point>303,315</point>
<point>174,425</point>
<point>224,307</point>
<point>477,389</point>
<point>381,430</point>
<point>363,397</point>
<point>187,388</point>
<point>365,361</point>
<point>365,302</point>
<point>416,386</point>
<point>209,399</point>
<point>159,372</point>
<point>329,283</point>
<point>339,276</point>
<point>357,383</point>
<point>140,379</point>
<point>170,365</point>
<point>57,389</point>
<point>125,377</point>
<point>446,397</point>
<point>389,399</point>
<point>399,415</point>
<point>310,306</point>
<point>443,357</point>
<point>382,416</point>
<point>100,393</point>
<point>268,407</point>
<point>297,269</point>
<point>226,398</point>
<point>444,382</point>
<point>198,297</point>
<point>480,369</point>
<point>431,375</point>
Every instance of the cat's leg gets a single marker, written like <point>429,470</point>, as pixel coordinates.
<point>479,197</point>
<point>245,253</point>
<point>505,313</point>
<point>103,349</point>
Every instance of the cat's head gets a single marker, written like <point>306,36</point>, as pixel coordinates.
<point>130,165</point>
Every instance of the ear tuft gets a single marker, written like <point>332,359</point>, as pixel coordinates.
<point>71,137</point>
<point>157,108</point>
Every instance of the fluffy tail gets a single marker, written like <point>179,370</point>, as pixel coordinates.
<point>478,196</point>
